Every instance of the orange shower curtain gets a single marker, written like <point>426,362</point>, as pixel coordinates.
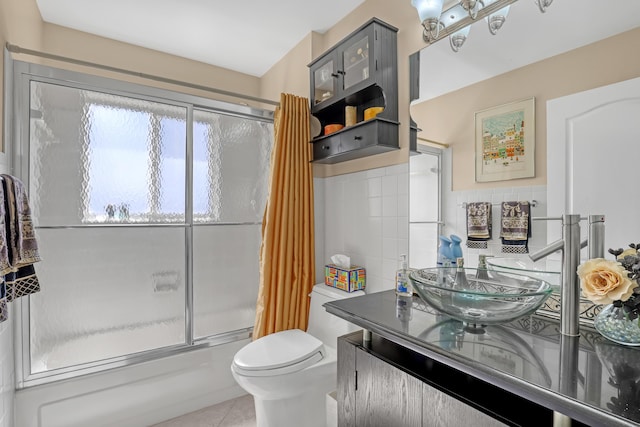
<point>287,254</point>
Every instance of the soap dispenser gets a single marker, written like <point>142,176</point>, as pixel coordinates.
<point>456,250</point>
<point>403,287</point>
<point>444,251</point>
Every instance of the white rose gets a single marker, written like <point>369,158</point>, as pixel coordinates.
<point>603,281</point>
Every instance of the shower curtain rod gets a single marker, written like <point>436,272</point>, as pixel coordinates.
<point>19,50</point>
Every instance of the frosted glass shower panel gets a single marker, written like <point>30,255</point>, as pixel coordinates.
<point>424,187</point>
<point>109,292</point>
<point>104,158</point>
<point>423,247</point>
<point>225,277</point>
<point>230,167</point>
<point>425,176</point>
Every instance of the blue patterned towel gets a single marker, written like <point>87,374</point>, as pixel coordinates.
<point>478,224</point>
<point>515,224</point>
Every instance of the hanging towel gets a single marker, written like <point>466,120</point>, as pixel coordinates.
<point>21,246</point>
<point>3,304</point>
<point>4,313</point>
<point>5,267</point>
<point>478,224</point>
<point>515,227</point>
<point>5,264</point>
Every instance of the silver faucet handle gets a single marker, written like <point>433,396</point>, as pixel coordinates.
<point>596,218</point>
<point>482,260</point>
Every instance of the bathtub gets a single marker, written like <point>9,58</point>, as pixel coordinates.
<point>135,395</point>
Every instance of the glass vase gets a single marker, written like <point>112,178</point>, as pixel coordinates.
<point>623,366</point>
<point>614,324</point>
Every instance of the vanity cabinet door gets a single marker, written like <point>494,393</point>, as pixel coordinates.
<point>441,410</point>
<point>385,395</point>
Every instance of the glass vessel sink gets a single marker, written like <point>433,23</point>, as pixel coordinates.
<point>481,297</point>
<point>545,269</point>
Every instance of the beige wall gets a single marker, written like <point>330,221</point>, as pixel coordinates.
<point>450,118</point>
<point>66,42</point>
<point>290,74</point>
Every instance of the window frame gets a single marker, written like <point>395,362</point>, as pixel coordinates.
<point>154,216</point>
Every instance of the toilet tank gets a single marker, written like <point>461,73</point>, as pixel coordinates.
<point>323,325</point>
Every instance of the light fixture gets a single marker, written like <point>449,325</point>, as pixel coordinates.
<point>496,19</point>
<point>454,22</point>
<point>472,7</point>
<point>458,38</point>
<point>543,4</point>
<point>429,12</point>
<point>453,15</point>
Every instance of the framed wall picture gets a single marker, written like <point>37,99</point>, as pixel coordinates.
<point>505,142</point>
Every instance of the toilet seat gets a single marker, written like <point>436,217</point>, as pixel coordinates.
<point>280,353</point>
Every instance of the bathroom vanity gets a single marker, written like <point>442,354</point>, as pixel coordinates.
<point>412,366</point>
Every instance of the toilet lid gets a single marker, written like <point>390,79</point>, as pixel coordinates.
<point>279,350</point>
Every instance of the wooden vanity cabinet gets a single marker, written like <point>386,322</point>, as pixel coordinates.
<point>382,384</point>
<point>385,395</point>
<point>360,71</point>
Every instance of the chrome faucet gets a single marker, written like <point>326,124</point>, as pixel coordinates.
<point>596,236</point>
<point>570,246</point>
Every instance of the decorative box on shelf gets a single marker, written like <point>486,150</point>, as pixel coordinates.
<point>348,279</point>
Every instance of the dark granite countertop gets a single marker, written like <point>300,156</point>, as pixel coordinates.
<point>588,378</point>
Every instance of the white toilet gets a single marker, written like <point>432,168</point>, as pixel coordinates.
<point>289,373</point>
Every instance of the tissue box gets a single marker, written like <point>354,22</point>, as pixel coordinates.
<point>348,279</point>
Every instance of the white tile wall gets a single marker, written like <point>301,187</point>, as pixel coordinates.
<point>454,216</point>
<point>365,216</point>
<point>6,374</point>
<point>423,238</point>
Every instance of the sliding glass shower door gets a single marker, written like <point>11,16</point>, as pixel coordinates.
<point>148,207</point>
<point>425,201</point>
<point>231,168</point>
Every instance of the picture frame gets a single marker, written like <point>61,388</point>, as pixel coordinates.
<point>505,141</point>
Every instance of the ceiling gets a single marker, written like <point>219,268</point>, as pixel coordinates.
<point>250,37</point>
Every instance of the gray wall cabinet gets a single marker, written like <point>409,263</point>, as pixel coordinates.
<point>360,71</point>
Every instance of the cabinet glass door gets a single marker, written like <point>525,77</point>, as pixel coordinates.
<point>355,60</point>
<point>324,82</point>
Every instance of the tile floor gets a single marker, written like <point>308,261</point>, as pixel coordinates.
<point>238,412</point>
